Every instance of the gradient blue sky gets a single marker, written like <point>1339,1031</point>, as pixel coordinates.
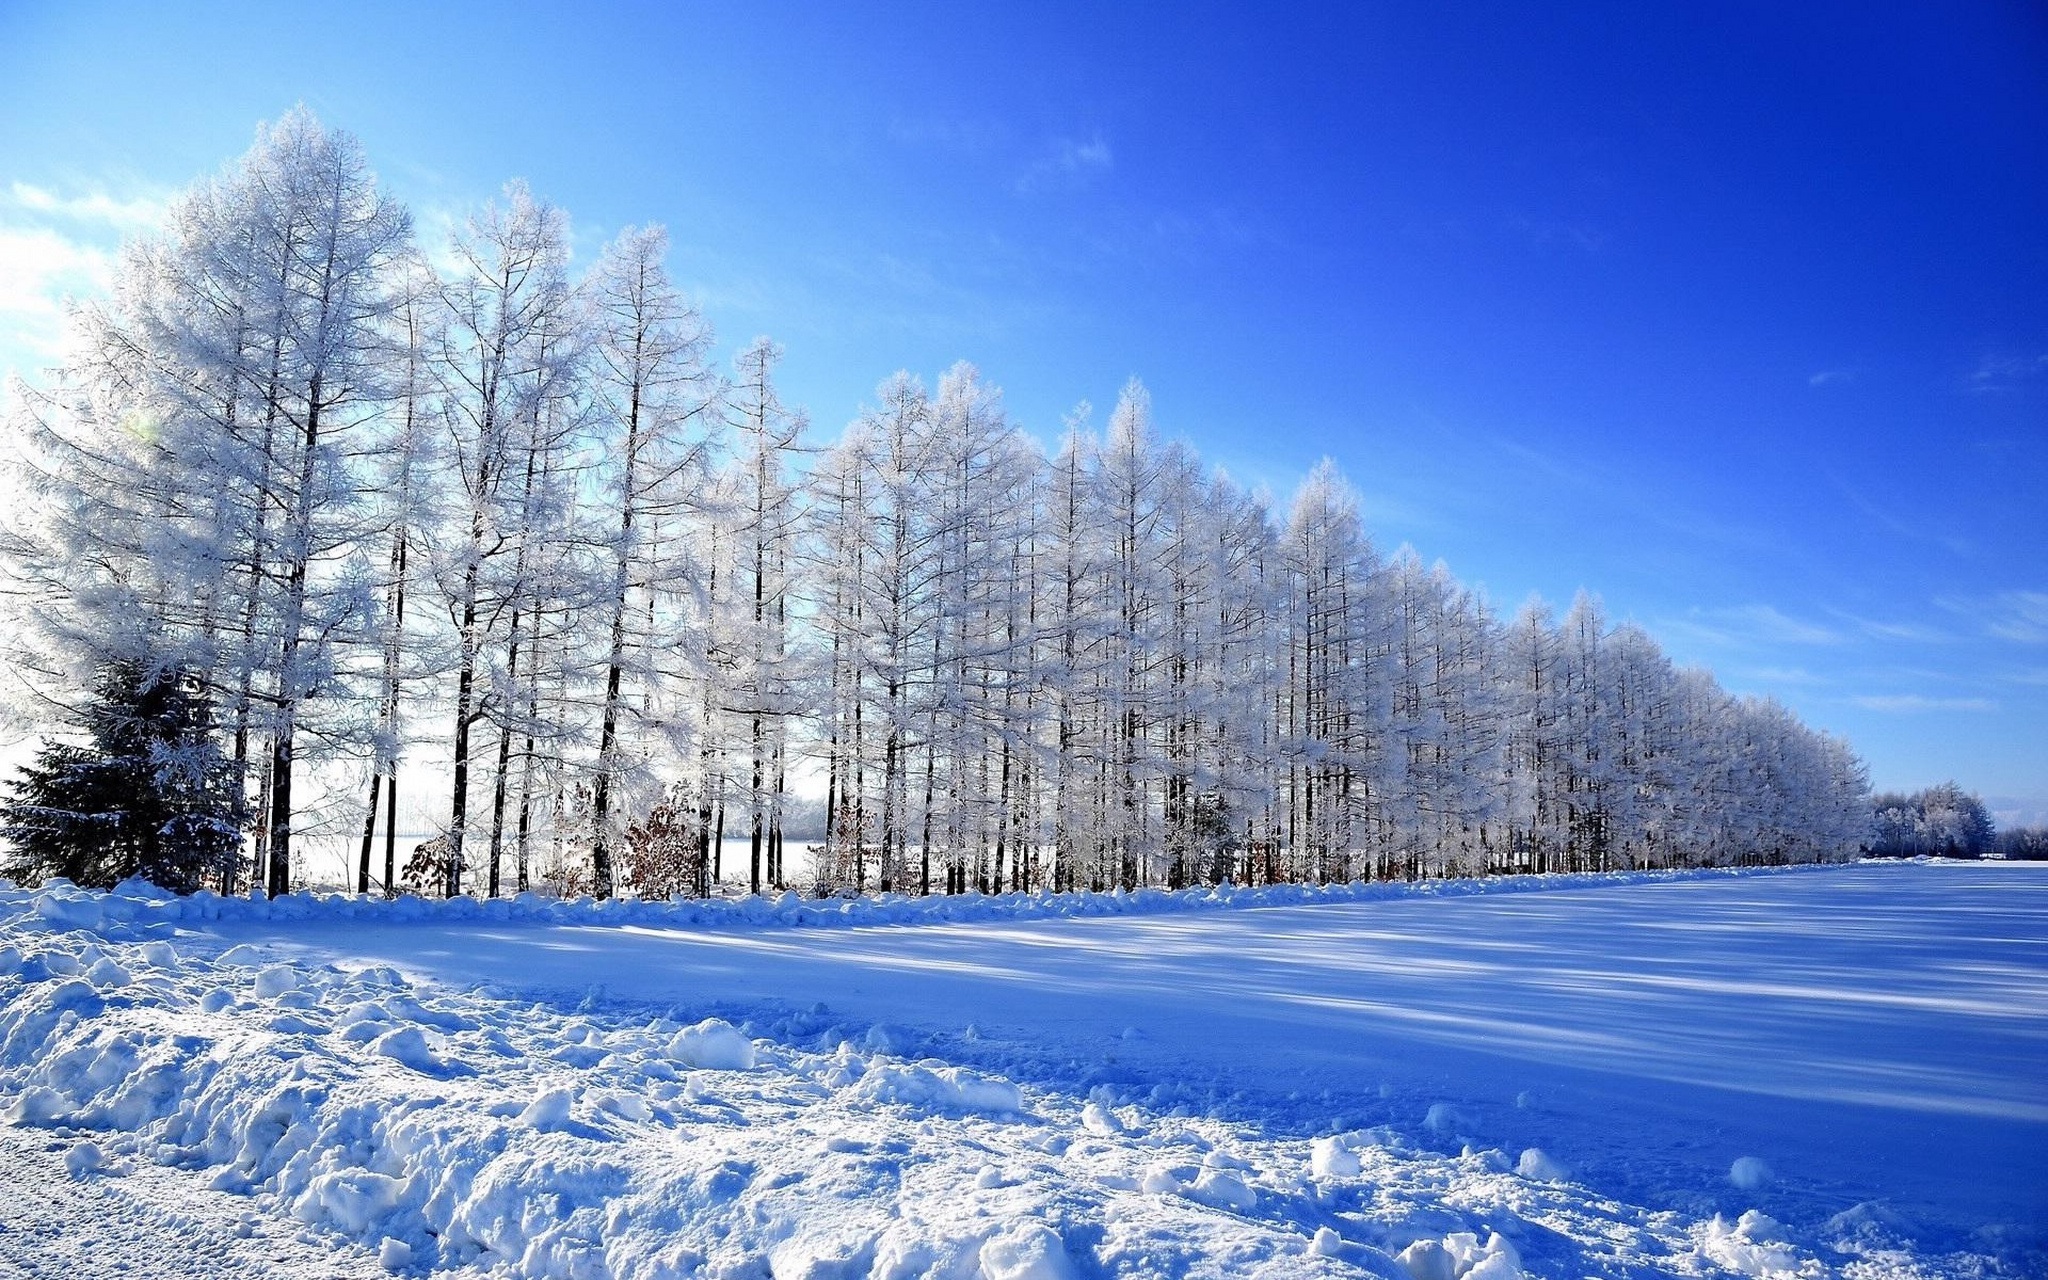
<point>1735,314</point>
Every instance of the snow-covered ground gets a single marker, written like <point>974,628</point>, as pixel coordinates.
<point>1811,1072</point>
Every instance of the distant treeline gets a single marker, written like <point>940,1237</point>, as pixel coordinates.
<point>1945,821</point>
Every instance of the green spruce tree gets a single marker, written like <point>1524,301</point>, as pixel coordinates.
<point>148,794</point>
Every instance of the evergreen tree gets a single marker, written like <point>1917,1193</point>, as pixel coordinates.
<point>149,795</point>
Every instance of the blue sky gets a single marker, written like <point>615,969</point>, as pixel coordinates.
<point>1735,316</point>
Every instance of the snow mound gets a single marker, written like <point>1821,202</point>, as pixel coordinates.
<point>1541,1165</point>
<point>1750,1173</point>
<point>714,1046</point>
<point>1100,1120</point>
<point>1030,1252</point>
<point>1750,1246</point>
<point>84,1159</point>
<point>65,906</point>
<point>351,1200</point>
<point>1332,1157</point>
<point>275,981</point>
<point>409,1046</point>
<point>551,1110</point>
<point>949,1090</point>
<point>1223,1189</point>
<point>1867,1226</point>
<point>1461,1256</point>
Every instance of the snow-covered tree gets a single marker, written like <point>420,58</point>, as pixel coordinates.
<point>501,347</point>
<point>654,397</point>
<point>206,453</point>
<point>761,676</point>
<point>1334,705</point>
<point>398,481</point>
<point>285,432</point>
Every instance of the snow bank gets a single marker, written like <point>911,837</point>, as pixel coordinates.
<point>448,1131</point>
<point>137,910</point>
<point>444,1131</point>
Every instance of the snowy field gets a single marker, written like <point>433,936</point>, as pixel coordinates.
<point>1815,1072</point>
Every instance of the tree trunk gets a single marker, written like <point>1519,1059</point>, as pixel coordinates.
<point>369,830</point>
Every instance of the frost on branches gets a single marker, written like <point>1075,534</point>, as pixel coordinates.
<point>458,516</point>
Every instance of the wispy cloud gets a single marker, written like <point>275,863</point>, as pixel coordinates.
<point>1187,233</point>
<point>1913,632</point>
<point>1913,703</point>
<point>1604,482</point>
<point>1829,377</point>
<point>2000,371</point>
<point>39,268</point>
<point>41,274</point>
<point>2021,616</point>
<point>1785,675</point>
<point>913,295</point>
<point>57,248</point>
<point>1741,626</point>
<point>2017,811</point>
<point>1891,629</point>
<point>138,211</point>
<point>1068,164</point>
<point>2018,616</point>
<point>1887,515</point>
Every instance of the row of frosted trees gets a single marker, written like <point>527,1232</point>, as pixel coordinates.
<point>1108,668</point>
<point>506,527</point>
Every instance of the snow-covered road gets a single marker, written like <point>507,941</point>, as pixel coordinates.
<point>1864,1049</point>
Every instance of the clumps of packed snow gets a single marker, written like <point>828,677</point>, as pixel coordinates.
<point>1100,1120</point>
<point>479,1133</point>
<point>84,1158</point>
<point>933,1086</point>
<point>1332,1157</point>
<point>460,1132</point>
<point>1535,1162</point>
<point>449,1131</point>
<point>1461,1255</point>
<point>407,1046</point>
<point>1223,1189</point>
<point>455,1131</point>
<point>138,910</point>
<point>1027,1252</point>
<point>713,1045</point>
<point>1753,1245</point>
<point>1750,1173</point>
